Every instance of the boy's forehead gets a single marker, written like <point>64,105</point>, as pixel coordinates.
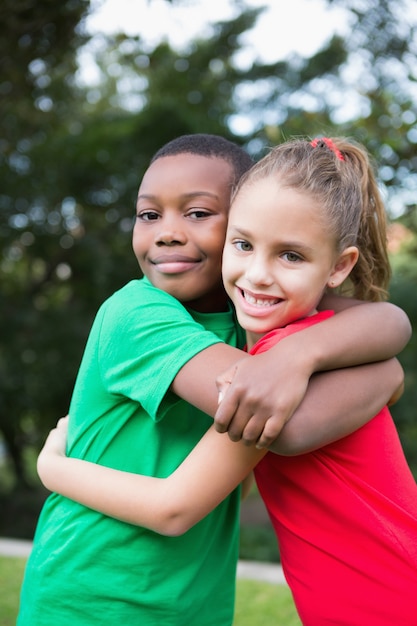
<point>189,169</point>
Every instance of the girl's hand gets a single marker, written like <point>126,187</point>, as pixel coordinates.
<point>56,442</point>
<point>54,446</point>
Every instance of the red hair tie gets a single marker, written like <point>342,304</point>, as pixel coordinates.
<point>329,143</point>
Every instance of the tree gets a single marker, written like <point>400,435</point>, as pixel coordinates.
<point>70,172</point>
<point>37,52</point>
<point>404,294</point>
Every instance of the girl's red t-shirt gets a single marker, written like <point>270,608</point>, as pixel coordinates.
<point>346,522</point>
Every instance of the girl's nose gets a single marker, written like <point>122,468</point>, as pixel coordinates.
<point>257,272</point>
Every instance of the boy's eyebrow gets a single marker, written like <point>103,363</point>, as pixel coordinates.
<point>190,194</point>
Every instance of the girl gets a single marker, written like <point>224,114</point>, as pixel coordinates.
<point>306,218</point>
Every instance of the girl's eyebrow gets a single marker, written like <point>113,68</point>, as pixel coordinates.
<point>241,231</point>
<point>290,245</point>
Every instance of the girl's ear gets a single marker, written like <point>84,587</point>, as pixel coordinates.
<point>343,266</point>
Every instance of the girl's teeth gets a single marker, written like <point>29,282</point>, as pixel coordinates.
<point>258,301</point>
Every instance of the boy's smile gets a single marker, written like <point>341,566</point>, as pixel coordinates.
<point>181,222</point>
<point>174,263</point>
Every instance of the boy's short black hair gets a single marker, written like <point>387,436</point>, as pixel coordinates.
<point>208,146</point>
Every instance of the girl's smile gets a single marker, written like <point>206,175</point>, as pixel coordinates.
<point>256,304</point>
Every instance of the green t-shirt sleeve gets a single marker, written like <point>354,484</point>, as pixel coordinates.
<point>145,337</point>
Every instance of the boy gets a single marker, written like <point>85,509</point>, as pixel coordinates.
<point>146,352</point>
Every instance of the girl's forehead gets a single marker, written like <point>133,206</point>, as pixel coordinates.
<point>265,200</point>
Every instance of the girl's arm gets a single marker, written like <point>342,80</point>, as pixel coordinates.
<point>172,505</point>
<point>256,410</point>
<point>169,506</point>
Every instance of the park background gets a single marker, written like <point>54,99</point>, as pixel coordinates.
<point>82,110</point>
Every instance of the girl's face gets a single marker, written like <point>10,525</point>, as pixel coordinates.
<point>278,257</point>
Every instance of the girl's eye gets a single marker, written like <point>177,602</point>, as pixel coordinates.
<point>242,246</point>
<point>147,216</point>
<point>292,257</point>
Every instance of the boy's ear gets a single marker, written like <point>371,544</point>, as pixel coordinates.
<point>343,266</point>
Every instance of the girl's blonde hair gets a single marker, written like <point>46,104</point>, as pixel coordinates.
<point>338,174</point>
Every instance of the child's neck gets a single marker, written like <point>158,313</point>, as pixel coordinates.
<point>209,305</point>
<point>252,338</point>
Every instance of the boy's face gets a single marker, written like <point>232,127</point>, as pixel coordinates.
<point>181,220</point>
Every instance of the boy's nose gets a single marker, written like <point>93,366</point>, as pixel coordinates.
<point>169,235</point>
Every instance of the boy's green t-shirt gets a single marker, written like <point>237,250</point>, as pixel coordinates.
<point>86,568</point>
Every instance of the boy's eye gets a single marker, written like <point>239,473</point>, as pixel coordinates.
<point>198,214</point>
<point>242,246</point>
<point>147,216</point>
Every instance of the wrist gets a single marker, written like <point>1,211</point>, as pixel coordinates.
<point>306,350</point>
<point>43,468</point>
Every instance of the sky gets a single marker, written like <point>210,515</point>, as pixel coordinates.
<point>285,26</point>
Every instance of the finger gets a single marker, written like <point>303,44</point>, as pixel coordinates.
<point>271,431</point>
<point>235,410</point>
<point>239,422</point>
<point>225,412</point>
<point>223,387</point>
<point>264,443</point>
<point>231,417</point>
<point>223,383</point>
<point>254,429</point>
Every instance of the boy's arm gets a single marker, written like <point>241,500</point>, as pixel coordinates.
<point>266,389</point>
<point>172,505</point>
<point>343,401</point>
<point>169,506</point>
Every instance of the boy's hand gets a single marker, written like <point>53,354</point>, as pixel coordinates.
<point>253,406</point>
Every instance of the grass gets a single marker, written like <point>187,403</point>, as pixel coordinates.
<point>257,603</point>
<point>264,604</point>
<point>11,574</point>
